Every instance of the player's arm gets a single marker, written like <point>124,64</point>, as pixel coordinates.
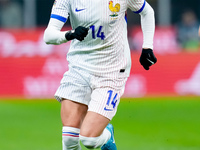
<point>54,35</point>
<point>147,57</point>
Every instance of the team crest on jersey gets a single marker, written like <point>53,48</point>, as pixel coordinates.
<point>114,9</point>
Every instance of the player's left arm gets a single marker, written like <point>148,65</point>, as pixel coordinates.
<point>147,57</point>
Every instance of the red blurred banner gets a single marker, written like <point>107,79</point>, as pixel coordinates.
<point>177,74</point>
<point>30,68</point>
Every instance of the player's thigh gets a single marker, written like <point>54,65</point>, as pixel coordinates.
<point>72,113</point>
<point>102,108</point>
<point>93,124</point>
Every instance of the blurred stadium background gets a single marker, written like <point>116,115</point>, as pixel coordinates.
<point>159,110</point>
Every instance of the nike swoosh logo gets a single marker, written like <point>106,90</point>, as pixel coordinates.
<point>77,10</point>
<point>106,109</point>
<point>150,61</point>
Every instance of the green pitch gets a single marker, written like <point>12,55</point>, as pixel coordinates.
<point>170,123</point>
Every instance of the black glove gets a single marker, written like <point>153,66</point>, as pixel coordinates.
<point>79,33</point>
<point>147,58</point>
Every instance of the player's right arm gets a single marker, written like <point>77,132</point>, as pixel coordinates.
<point>59,15</point>
<point>54,35</point>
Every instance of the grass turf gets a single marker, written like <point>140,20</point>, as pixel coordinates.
<point>162,123</point>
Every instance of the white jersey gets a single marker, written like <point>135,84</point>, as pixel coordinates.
<point>105,50</point>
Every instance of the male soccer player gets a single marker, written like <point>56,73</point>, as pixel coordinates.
<point>99,65</point>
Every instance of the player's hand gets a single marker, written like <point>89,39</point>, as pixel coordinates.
<point>79,33</point>
<point>147,58</point>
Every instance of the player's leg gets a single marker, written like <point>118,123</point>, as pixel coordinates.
<point>93,124</point>
<point>96,131</point>
<point>73,87</point>
<point>72,115</point>
<point>102,108</point>
<point>95,134</point>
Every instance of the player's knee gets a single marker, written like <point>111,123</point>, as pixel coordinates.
<point>89,142</point>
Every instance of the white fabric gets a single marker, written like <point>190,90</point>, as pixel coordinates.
<point>101,94</point>
<point>96,142</point>
<point>52,34</point>
<point>105,49</point>
<point>148,26</point>
<point>70,138</point>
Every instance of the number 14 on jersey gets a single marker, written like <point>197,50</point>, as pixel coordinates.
<point>100,34</point>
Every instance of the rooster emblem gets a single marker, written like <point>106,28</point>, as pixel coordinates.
<point>114,9</point>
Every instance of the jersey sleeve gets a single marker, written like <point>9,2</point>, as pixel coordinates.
<point>60,10</point>
<point>136,5</point>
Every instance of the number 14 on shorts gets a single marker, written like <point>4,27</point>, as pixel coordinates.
<point>111,102</point>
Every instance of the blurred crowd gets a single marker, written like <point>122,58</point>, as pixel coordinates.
<point>10,14</point>
<point>187,31</point>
